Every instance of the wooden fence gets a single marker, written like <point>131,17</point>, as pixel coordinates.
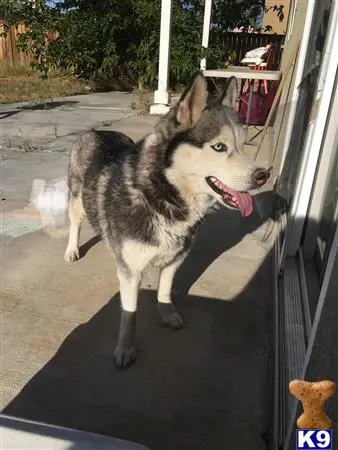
<point>240,43</point>
<point>8,50</point>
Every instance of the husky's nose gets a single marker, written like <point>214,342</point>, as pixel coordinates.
<point>260,176</point>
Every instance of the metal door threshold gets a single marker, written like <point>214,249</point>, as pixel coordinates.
<point>291,320</point>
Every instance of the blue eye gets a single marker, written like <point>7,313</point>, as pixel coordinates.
<point>220,147</point>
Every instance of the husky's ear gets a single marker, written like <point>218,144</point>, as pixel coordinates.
<point>192,102</point>
<point>231,93</point>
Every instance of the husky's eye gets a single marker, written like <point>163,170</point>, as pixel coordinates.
<point>220,147</point>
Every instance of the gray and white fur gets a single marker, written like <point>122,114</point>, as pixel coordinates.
<point>147,199</point>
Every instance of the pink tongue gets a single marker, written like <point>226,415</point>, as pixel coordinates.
<point>244,201</point>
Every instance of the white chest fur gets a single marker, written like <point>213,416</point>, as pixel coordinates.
<point>173,238</point>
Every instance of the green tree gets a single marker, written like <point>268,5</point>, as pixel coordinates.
<point>92,37</point>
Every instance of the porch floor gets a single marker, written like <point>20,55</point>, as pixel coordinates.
<point>204,387</point>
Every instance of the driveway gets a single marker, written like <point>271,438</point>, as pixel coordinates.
<point>52,125</point>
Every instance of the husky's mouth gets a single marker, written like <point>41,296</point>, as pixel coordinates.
<point>235,199</point>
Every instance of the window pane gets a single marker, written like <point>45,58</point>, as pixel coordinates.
<point>327,223</point>
<point>307,90</point>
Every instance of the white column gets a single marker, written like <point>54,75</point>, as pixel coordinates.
<point>161,96</point>
<point>206,29</point>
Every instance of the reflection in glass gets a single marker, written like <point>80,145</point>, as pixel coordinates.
<point>307,90</point>
<point>328,219</point>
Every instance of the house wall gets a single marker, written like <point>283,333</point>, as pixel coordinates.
<point>290,63</point>
<point>271,19</point>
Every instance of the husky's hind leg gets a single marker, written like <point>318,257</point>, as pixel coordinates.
<point>76,216</point>
<point>168,314</point>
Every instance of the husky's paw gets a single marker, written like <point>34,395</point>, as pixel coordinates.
<point>72,254</point>
<point>169,316</point>
<point>124,356</point>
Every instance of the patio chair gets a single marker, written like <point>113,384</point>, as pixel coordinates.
<point>259,64</point>
<point>256,94</point>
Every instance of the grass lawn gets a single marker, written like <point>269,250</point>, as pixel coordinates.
<point>20,83</point>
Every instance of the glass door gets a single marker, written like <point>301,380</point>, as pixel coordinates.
<point>315,92</point>
<point>304,286</point>
<point>322,214</point>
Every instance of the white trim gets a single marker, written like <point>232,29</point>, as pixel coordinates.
<point>314,137</point>
<point>206,30</point>
<point>298,78</point>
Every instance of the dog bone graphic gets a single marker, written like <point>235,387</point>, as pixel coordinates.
<point>313,397</point>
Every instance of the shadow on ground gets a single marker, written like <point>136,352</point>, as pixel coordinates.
<point>5,114</point>
<point>205,387</point>
<point>48,105</point>
<point>84,248</point>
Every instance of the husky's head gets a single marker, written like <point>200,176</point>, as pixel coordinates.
<point>204,152</point>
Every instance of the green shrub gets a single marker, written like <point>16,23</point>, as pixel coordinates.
<point>96,38</point>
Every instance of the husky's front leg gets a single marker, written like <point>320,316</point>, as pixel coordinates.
<point>76,215</point>
<point>125,351</point>
<point>168,314</point>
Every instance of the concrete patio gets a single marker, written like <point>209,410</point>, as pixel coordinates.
<point>207,386</point>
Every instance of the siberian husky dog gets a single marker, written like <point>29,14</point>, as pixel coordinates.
<point>147,199</point>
